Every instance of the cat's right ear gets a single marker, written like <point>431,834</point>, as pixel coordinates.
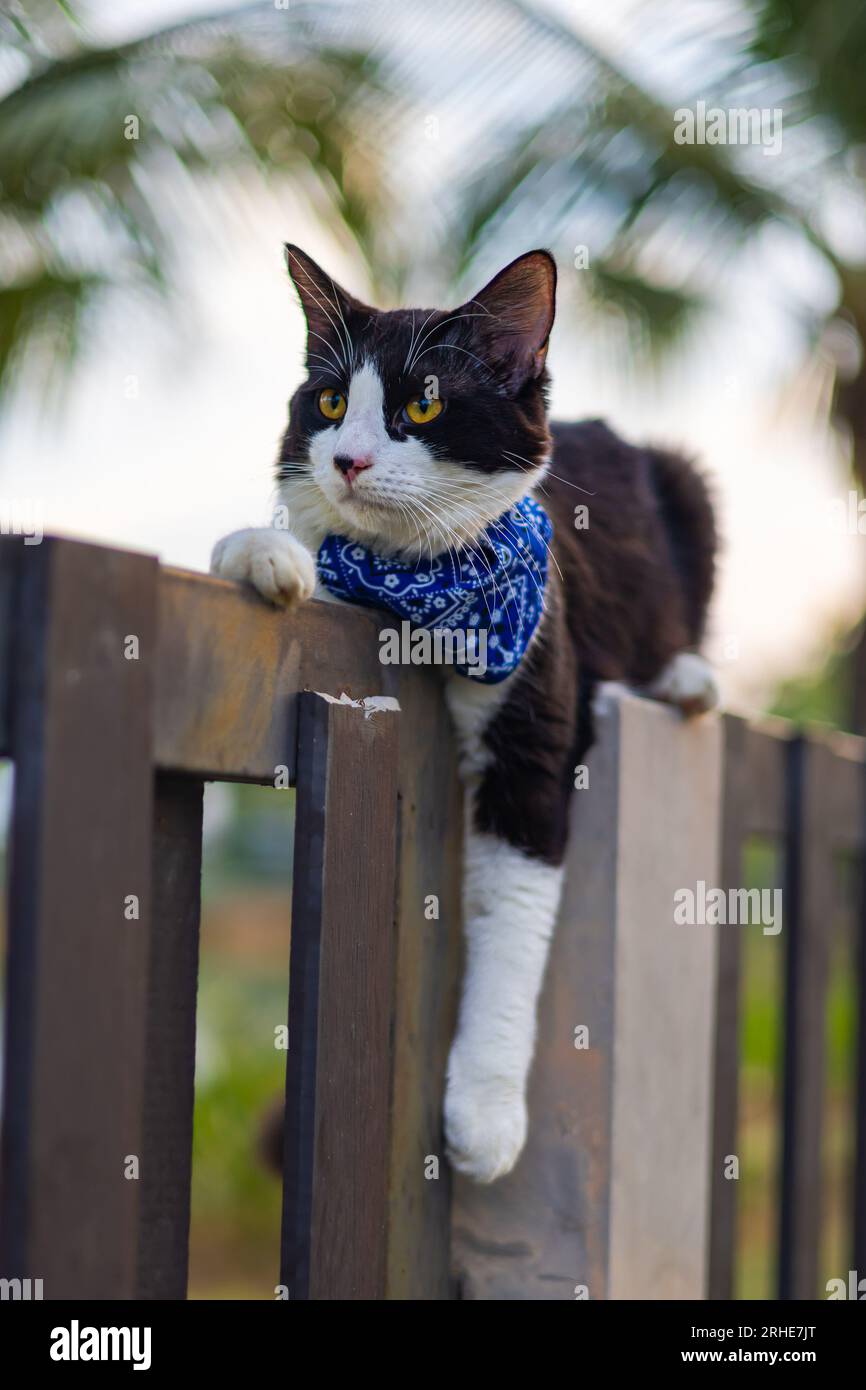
<point>326,306</point>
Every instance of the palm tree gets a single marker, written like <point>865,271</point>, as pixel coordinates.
<point>102,135</point>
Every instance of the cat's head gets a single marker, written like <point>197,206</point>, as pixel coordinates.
<point>417,427</point>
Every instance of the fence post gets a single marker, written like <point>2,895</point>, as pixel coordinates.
<point>809,903</point>
<point>79,912</point>
<point>723,1191</point>
<point>428,957</point>
<point>339,1065</point>
<point>169,1092</point>
<point>611,1197</point>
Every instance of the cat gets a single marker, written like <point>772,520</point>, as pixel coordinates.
<point>416,434</point>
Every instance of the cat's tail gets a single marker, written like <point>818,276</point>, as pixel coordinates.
<point>687,511</point>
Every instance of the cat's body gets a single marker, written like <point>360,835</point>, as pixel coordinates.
<point>626,596</point>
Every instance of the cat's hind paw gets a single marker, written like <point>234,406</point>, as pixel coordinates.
<point>276,564</point>
<point>689,682</point>
<point>485,1125</point>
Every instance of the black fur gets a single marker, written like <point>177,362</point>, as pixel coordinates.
<point>633,592</point>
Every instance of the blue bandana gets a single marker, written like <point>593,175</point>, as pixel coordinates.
<point>495,585</point>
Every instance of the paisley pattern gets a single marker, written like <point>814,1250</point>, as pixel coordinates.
<point>495,585</point>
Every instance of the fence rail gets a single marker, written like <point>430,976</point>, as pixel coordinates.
<point>125,687</point>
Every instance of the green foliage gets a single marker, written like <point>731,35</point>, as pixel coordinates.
<point>824,45</point>
<point>236,1201</point>
<point>818,697</point>
<point>95,144</point>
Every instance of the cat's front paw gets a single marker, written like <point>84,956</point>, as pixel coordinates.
<point>485,1121</point>
<point>276,564</point>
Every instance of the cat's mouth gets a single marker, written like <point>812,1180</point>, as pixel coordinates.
<point>368,498</point>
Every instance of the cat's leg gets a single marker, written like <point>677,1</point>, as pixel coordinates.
<point>510,907</point>
<point>689,682</point>
<point>515,758</point>
<point>272,560</point>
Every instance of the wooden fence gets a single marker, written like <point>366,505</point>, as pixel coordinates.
<point>125,687</point>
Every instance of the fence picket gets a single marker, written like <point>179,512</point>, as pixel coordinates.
<point>77,961</point>
<point>339,1066</point>
<point>171,1001</point>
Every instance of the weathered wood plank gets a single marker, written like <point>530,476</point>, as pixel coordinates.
<point>723,1191</point>
<point>843,794</point>
<point>762,753</point>
<point>809,902</point>
<point>612,1193</point>
<point>166,1167</point>
<point>77,975</point>
<point>545,1228</point>
<point>428,953</point>
<point>338,1075</point>
<point>663,1055</point>
<point>230,667</point>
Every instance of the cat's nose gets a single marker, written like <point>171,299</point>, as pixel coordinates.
<point>351,467</point>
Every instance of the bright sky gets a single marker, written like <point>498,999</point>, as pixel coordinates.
<point>170,430</point>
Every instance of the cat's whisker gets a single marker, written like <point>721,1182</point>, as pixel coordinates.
<point>547,547</point>
<point>549,473</point>
<point>349,344</point>
<point>313,292</point>
<point>317,357</point>
<point>341,365</point>
<point>468,550</point>
<point>530,560</point>
<point>414,338</point>
<point>475,555</point>
<point>452,347</point>
<point>453,318</point>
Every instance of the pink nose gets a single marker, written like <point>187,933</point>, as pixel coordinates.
<point>351,467</point>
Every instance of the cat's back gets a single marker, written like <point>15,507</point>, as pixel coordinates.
<point>589,456</point>
<point>634,537</point>
<point>599,491</point>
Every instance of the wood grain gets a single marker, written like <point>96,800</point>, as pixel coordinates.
<point>809,903</point>
<point>339,1066</point>
<point>166,1170</point>
<point>78,969</point>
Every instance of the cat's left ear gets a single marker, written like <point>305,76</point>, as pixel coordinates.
<point>515,315</point>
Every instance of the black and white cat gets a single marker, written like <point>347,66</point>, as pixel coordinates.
<point>372,454</point>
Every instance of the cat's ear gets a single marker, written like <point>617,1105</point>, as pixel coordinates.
<point>515,315</point>
<point>326,306</point>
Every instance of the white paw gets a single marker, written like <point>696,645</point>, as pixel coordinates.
<point>485,1122</point>
<point>272,561</point>
<point>689,682</point>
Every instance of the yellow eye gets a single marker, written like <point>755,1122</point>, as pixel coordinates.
<point>332,404</point>
<point>420,411</point>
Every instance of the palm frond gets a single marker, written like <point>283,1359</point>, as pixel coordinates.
<point>99,128</point>
<point>601,165</point>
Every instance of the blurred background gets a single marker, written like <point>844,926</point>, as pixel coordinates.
<point>154,156</point>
